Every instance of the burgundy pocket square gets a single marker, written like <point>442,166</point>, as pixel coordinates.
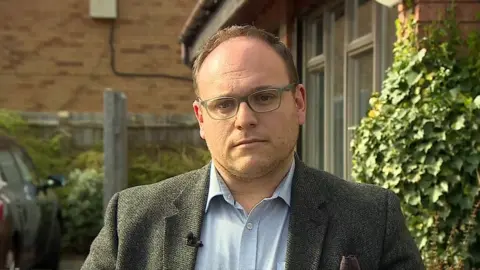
<point>349,262</point>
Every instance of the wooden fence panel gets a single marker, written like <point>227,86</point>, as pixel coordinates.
<point>86,129</point>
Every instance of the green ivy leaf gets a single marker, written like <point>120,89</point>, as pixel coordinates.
<point>413,77</point>
<point>476,102</point>
<point>444,186</point>
<point>459,123</point>
<point>457,163</point>
<point>436,193</point>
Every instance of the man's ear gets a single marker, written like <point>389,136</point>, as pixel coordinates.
<point>197,108</point>
<point>301,103</point>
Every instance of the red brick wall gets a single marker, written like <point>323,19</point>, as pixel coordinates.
<point>427,11</point>
<point>53,56</point>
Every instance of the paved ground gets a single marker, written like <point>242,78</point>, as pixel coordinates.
<point>71,262</point>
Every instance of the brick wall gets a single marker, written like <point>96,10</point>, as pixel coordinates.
<point>53,56</point>
<point>427,11</point>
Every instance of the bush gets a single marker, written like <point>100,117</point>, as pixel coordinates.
<point>421,138</point>
<point>46,153</point>
<point>82,198</point>
<point>156,164</point>
<point>82,209</point>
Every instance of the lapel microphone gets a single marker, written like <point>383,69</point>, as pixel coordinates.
<point>193,241</point>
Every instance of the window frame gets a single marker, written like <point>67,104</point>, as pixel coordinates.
<point>376,41</point>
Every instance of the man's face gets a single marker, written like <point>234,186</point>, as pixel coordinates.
<point>249,144</point>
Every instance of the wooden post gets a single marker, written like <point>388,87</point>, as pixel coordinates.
<point>114,144</point>
<point>66,143</point>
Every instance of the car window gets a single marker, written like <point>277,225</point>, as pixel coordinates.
<point>9,169</point>
<point>26,167</point>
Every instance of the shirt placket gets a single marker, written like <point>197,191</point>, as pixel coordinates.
<point>249,242</point>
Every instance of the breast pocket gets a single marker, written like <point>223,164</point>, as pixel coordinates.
<point>281,266</point>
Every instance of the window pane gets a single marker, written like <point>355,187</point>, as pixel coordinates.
<point>391,33</point>
<point>338,97</point>
<point>321,120</point>
<point>363,83</point>
<point>388,38</point>
<point>9,170</point>
<point>315,124</point>
<point>362,23</point>
<point>26,168</point>
<point>314,37</point>
<point>319,37</point>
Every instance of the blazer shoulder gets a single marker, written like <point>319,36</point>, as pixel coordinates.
<point>160,193</point>
<point>350,191</point>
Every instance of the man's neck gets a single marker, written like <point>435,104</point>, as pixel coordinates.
<point>249,192</point>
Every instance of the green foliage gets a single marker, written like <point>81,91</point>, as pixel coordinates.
<point>157,164</point>
<point>82,209</point>
<point>82,197</point>
<point>421,138</point>
<point>45,152</point>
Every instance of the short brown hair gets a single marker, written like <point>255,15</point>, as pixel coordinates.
<point>244,31</point>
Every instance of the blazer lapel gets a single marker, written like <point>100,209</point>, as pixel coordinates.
<point>188,219</point>
<point>308,220</point>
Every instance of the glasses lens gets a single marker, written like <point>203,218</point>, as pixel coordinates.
<point>265,100</point>
<point>222,108</point>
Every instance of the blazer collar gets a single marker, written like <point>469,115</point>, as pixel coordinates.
<point>190,205</point>
<point>309,218</point>
<point>307,227</point>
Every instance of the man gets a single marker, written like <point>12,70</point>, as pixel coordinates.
<point>256,205</point>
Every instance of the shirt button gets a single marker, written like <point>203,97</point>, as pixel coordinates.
<point>229,197</point>
<point>249,226</point>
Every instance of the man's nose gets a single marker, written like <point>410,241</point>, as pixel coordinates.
<point>246,117</point>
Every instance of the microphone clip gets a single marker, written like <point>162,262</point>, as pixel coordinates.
<point>193,241</point>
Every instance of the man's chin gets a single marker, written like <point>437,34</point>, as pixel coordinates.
<point>251,164</point>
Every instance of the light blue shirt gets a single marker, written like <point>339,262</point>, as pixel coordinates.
<point>235,240</point>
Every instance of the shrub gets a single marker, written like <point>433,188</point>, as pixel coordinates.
<point>421,138</point>
<point>82,209</point>
<point>45,152</point>
<point>82,198</point>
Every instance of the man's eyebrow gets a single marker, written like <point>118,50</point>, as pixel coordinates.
<point>263,87</point>
<point>251,91</point>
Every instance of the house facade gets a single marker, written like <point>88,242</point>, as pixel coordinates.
<point>342,49</point>
<point>61,55</point>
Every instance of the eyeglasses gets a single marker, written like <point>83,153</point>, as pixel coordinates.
<point>262,101</point>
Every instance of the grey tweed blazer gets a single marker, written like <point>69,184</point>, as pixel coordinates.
<point>331,220</point>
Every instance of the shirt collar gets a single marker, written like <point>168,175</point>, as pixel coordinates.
<point>217,187</point>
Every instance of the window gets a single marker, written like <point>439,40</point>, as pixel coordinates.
<point>362,18</point>
<point>314,129</point>
<point>9,170</point>
<point>338,34</point>
<point>26,167</point>
<point>347,49</point>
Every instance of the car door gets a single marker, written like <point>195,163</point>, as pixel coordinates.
<point>28,213</point>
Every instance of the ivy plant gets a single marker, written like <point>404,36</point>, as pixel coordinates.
<point>421,137</point>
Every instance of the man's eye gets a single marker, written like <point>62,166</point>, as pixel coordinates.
<point>266,97</point>
<point>224,104</point>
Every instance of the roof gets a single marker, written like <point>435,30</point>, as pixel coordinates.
<point>197,19</point>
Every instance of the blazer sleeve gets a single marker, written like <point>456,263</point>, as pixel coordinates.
<point>399,248</point>
<point>103,250</point>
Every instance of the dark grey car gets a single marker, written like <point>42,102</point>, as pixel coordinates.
<point>30,215</point>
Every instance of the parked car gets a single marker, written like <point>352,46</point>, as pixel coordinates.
<point>30,214</point>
